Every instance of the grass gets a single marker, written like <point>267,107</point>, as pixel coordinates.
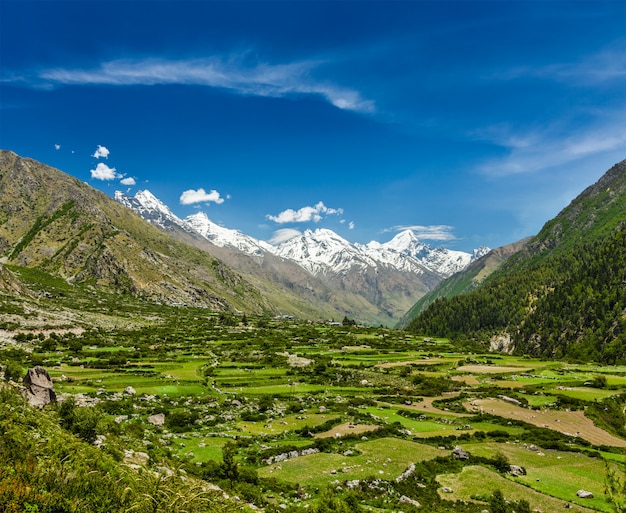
<point>555,473</point>
<point>384,458</point>
<point>475,481</point>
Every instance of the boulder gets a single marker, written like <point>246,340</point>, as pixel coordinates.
<point>130,391</point>
<point>407,500</point>
<point>38,388</point>
<point>157,420</point>
<point>584,494</point>
<point>516,470</point>
<point>459,453</point>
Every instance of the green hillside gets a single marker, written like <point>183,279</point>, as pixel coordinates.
<point>464,281</point>
<point>563,294</point>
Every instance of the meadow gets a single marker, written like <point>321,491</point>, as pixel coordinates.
<point>371,414</point>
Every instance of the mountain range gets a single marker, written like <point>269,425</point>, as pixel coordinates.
<point>390,276</point>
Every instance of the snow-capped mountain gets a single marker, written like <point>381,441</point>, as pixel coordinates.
<point>384,279</point>
<point>225,237</point>
<point>152,209</point>
<point>440,260</point>
<point>321,252</point>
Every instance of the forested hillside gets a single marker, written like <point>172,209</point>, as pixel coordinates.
<point>564,294</point>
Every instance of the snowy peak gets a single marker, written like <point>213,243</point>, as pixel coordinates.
<point>150,208</point>
<point>225,237</point>
<point>320,252</point>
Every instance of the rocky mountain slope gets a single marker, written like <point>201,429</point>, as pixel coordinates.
<point>55,223</point>
<point>562,294</point>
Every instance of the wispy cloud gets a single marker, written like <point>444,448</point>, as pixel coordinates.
<point>191,196</point>
<point>233,74</point>
<point>535,150</point>
<point>284,234</point>
<point>602,67</point>
<point>439,232</point>
<point>304,214</point>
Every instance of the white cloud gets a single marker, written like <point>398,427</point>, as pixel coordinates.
<point>351,225</point>
<point>200,196</point>
<point>441,232</point>
<point>128,181</point>
<point>304,214</point>
<point>104,172</point>
<point>101,151</point>
<point>284,234</point>
<point>234,73</point>
<point>57,146</point>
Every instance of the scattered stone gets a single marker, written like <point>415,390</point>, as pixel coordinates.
<point>516,470</point>
<point>120,418</point>
<point>584,494</point>
<point>533,447</point>
<point>38,388</point>
<point>459,453</point>
<point>157,420</point>
<point>136,457</point>
<point>446,489</point>
<point>407,500</point>
<point>130,391</point>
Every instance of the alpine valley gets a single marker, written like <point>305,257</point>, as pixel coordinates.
<point>153,364</point>
<point>388,277</point>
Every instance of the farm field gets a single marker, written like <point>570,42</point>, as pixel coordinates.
<point>277,412</point>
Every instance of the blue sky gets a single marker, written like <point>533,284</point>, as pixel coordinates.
<point>472,121</point>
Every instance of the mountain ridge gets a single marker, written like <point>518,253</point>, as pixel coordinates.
<point>320,251</point>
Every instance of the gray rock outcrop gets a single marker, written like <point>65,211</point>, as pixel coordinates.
<point>38,388</point>
<point>459,453</point>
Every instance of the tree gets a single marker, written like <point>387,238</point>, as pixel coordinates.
<point>497,503</point>
<point>615,489</point>
<point>229,466</point>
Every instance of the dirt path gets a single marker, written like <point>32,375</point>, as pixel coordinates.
<point>426,406</point>
<point>573,423</point>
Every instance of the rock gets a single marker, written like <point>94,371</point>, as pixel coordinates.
<point>407,500</point>
<point>584,494</point>
<point>120,418</point>
<point>459,453</point>
<point>130,391</point>
<point>446,489</point>
<point>516,470</point>
<point>38,388</point>
<point>157,420</point>
<point>533,447</point>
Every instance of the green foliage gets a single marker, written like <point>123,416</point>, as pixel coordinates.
<point>330,502</point>
<point>615,489</point>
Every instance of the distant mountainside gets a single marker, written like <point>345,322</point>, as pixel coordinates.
<point>373,283</point>
<point>465,280</point>
<point>562,294</point>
